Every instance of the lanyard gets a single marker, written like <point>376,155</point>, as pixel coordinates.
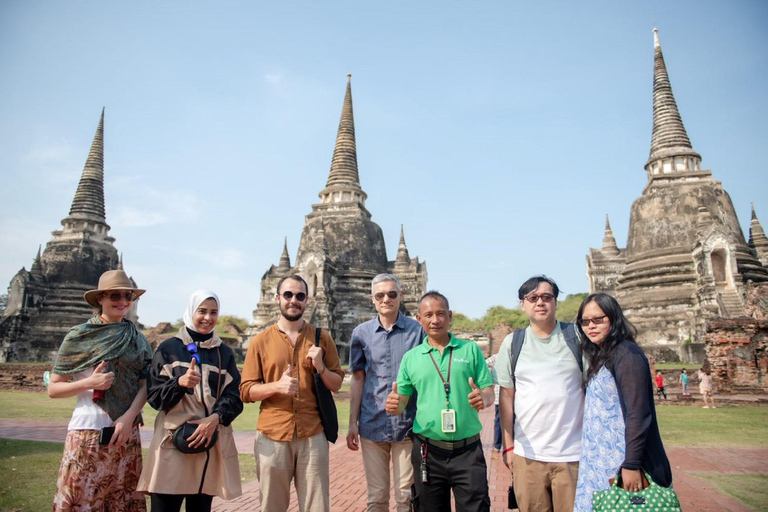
<point>446,383</point>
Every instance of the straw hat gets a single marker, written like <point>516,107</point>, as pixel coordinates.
<point>111,280</point>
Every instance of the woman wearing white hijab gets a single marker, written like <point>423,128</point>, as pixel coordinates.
<point>193,379</point>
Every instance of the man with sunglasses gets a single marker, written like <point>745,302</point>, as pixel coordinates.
<point>541,400</point>
<point>278,372</point>
<point>375,351</point>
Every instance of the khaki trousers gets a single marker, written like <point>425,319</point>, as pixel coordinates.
<point>303,460</point>
<point>376,458</point>
<point>545,486</point>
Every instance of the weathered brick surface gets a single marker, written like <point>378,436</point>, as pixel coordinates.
<point>737,352</point>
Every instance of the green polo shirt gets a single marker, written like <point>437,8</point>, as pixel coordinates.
<point>418,373</point>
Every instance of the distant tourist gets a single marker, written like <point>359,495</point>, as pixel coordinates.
<point>684,382</point>
<point>621,434</point>
<point>491,362</point>
<point>705,387</point>
<point>102,454</point>
<point>194,379</point>
<point>452,383</point>
<point>660,389</point>
<point>278,372</point>
<point>541,402</point>
<point>375,351</point>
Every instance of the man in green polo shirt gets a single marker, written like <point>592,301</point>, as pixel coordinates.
<point>452,383</point>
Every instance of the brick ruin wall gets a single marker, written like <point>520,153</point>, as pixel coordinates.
<point>737,353</point>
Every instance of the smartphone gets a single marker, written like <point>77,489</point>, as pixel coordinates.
<point>511,499</point>
<point>105,435</point>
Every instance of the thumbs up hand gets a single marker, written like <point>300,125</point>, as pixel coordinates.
<point>393,401</point>
<point>192,377</point>
<point>476,396</point>
<point>287,385</point>
<point>101,379</point>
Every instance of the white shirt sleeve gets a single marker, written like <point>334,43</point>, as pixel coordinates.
<point>503,365</point>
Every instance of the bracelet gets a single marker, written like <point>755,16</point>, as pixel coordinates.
<point>508,450</point>
<point>324,368</point>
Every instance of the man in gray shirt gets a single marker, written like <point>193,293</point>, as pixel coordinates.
<point>376,349</point>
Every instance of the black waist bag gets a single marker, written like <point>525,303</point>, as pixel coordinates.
<point>325,403</point>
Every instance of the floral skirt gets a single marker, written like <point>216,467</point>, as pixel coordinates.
<point>99,478</point>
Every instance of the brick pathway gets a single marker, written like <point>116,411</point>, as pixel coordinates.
<point>348,480</point>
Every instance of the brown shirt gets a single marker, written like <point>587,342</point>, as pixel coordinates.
<point>268,356</point>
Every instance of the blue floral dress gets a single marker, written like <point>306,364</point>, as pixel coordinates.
<point>602,439</point>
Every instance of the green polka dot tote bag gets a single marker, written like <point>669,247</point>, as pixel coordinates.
<point>652,498</point>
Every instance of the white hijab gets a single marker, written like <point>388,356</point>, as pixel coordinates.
<point>195,300</point>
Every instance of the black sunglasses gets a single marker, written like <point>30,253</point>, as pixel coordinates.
<point>115,297</point>
<point>392,294</point>
<point>288,295</point>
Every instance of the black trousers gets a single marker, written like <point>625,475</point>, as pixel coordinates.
<point>172,502</point>
<point>463,471</point>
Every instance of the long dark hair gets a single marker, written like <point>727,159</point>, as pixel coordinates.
<point>621,330</point>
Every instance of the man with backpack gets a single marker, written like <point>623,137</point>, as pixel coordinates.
<point>539,371</point>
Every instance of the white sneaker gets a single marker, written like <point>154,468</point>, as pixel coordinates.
<point>705,407</point>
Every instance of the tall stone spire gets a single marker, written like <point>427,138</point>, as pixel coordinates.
<point>403,259</point>
<point>757,239</point>
<point>609,242</point>
<point>671,149</point>
<point>37,266</point>
<point>343,183</point>
<point>89,198</point>
<point>285,260</point>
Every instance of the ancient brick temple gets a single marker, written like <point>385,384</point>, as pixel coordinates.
<point>686,258</point>
<point>340,251</point>
<point>46,300</point>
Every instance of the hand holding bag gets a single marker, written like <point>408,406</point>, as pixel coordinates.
<point>325,403</point>
<point>181,434</point>
<point>652,498</point>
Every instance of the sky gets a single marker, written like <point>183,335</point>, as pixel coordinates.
<point>499,134</point>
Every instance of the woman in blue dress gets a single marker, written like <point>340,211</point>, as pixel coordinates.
<point>620,433</point>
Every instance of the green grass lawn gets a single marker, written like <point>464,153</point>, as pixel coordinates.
<point>749,489</point>
<point>739,427</point>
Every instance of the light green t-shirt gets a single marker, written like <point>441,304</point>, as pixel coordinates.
<point>418,373</point>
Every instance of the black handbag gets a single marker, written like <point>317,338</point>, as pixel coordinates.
<point>181,434</point>
<point>325,403</point>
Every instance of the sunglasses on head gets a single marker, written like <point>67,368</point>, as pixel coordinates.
<point>116,296</point>
<point>288,295</point>
<point>597,320</point>
<point>545,297</point>
<point>392,294</point>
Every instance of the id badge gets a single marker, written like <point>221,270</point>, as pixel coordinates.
<point>449,420</point>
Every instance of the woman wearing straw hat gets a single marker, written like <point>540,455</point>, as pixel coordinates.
<point>194,383</point>
<point>104,363</point>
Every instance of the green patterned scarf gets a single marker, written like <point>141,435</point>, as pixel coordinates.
<point>122,345</point>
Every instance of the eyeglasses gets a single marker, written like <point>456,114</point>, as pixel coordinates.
<point>392,294</point>
<point>546,297</point>
<point>597,320</point>
<point>192,349</point>
<point>115,297</point>
<point>288,295</point>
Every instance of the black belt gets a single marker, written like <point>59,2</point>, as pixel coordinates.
<point>448,445</point>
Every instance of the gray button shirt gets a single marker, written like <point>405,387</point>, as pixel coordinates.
<point>378,353</point>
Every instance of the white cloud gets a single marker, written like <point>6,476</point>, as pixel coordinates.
<point>273,78</point>
<point>153,207</point>
<point>225,259</point>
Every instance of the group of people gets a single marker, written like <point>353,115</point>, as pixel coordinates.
<point>575,404</point>
<point>192,380</point>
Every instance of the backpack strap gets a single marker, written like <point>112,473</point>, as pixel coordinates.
<point>518,337</point>
<point>317,335</point>
<point>571,339</point>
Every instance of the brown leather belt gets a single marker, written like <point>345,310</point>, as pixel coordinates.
<point>448,445</point>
